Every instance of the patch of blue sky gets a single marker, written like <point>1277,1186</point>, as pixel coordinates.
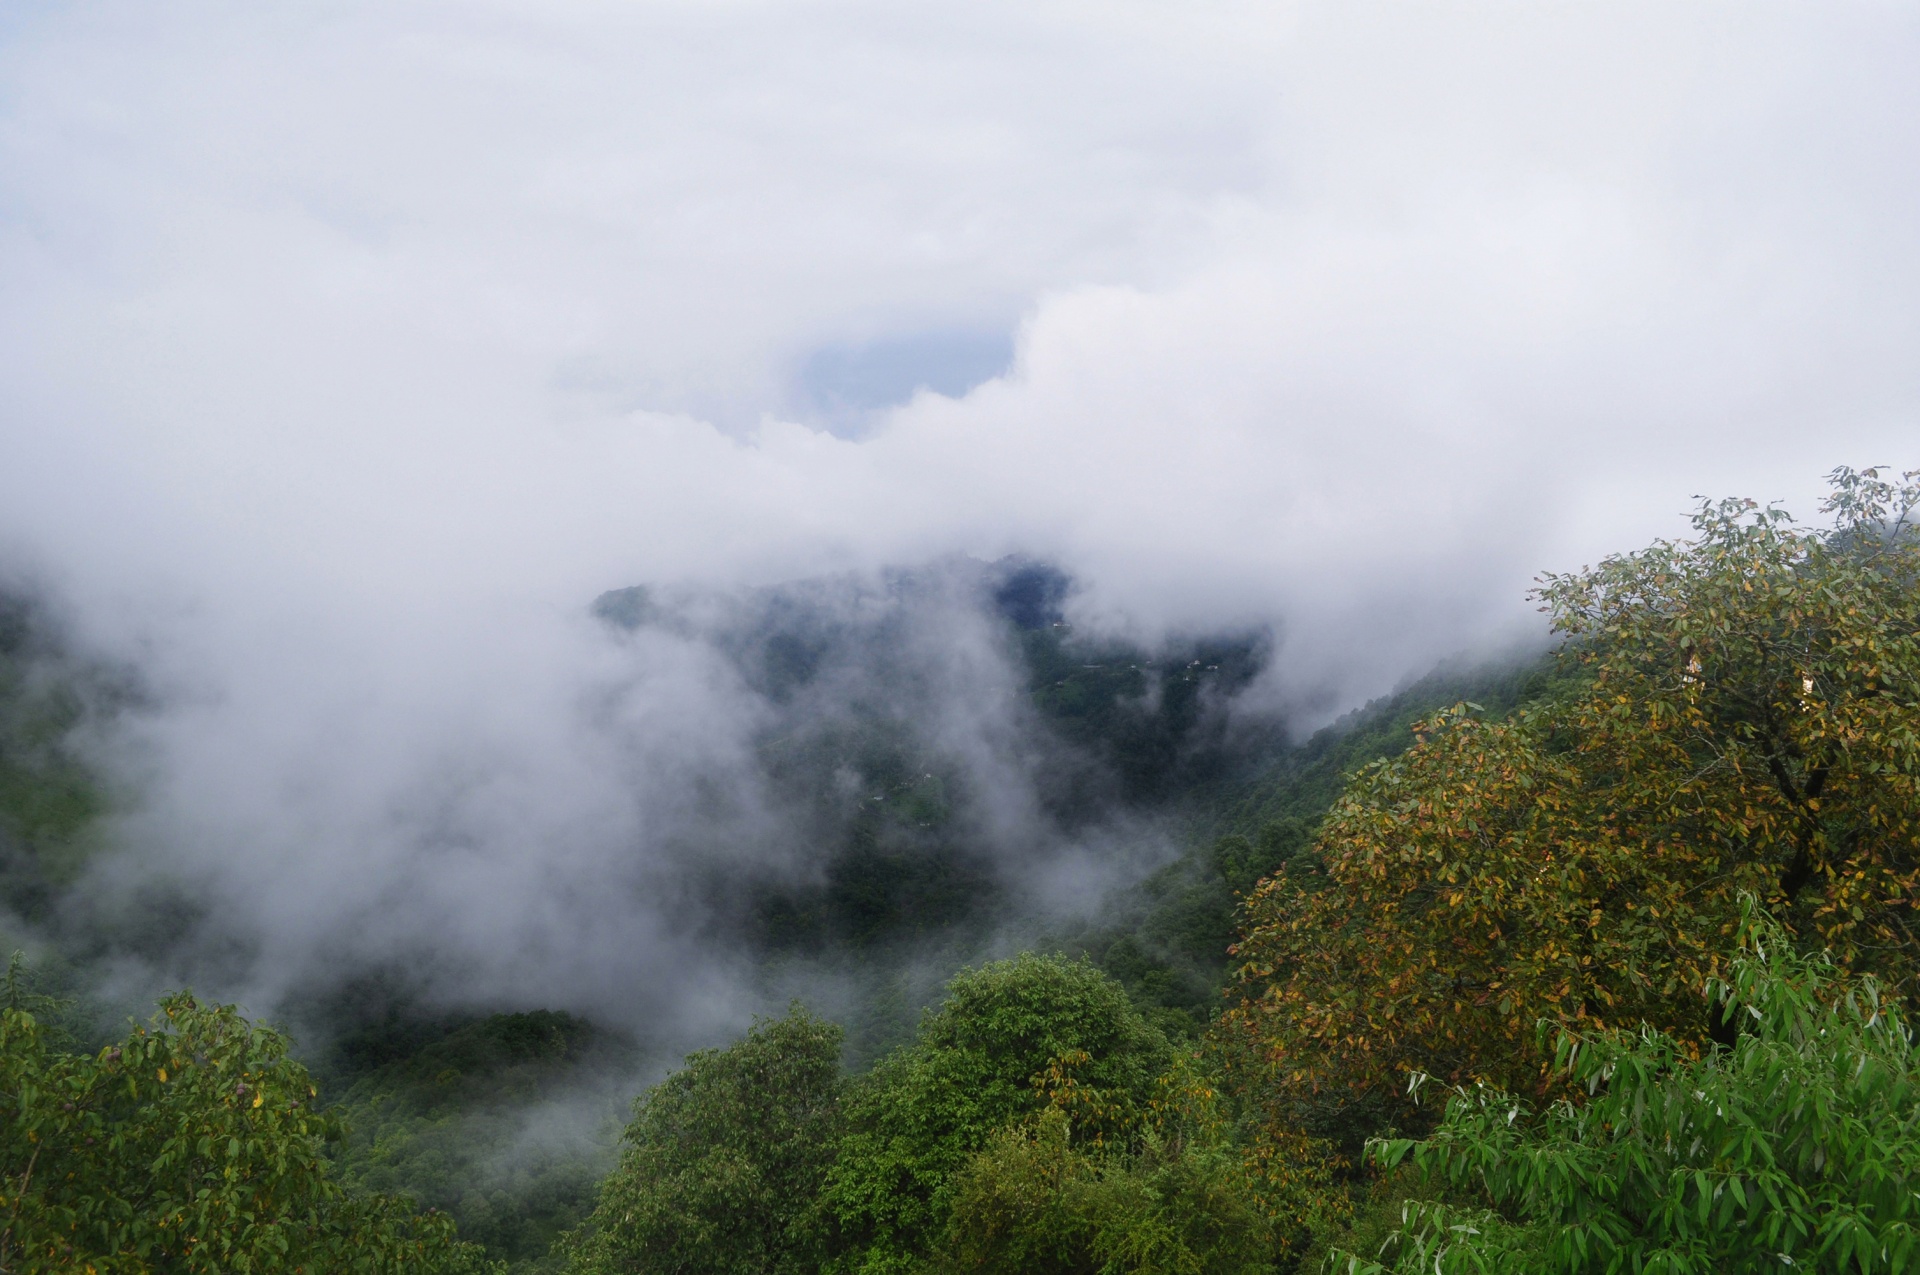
<point>841,387</point>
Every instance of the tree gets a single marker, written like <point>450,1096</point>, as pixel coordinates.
<point>921,1115</point>
<point>724,1160</point>
<point>190,1146</point>
<point>1033,1201</point>
<point>1746,720</point>
<point>1796,1149</point>
<point>1089,1183</point>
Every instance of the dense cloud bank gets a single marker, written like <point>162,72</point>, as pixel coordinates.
<point>348,351</point>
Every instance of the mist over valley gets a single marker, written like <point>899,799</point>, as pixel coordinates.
<point>846,640</point>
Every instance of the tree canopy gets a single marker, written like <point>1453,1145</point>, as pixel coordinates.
<point>724,1160</point>
<point>1746,721</point>
<point>1162,1201</point>
<point>925,1110</point>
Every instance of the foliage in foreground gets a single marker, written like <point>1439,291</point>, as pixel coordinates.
<point>1086,1184</point>
<point>1037,1122</point>
<point>1797,1149</point>
<point>190,1146</point>
<point>1749,723</point>
<point>724,1160</point>
<point>917,1119</point>
<point>1032,1201</point>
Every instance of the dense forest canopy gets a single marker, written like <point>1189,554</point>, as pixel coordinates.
<point>1599,962</point>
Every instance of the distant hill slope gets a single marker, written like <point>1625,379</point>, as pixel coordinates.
<point>50,797</point>
<point>506,1121</point>
<point>929,728</point>
<point>441,1106</point>
<point>1166,940</point>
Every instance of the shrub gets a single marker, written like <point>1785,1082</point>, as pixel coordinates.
<point>1795,1149</point>
<point>190,1146</point>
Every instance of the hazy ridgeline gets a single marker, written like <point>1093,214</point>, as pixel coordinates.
<point>835,766</point>
<point>937,749</point>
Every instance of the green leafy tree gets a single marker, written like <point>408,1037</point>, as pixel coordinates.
<point>1746,720</point>
<point>1796,1149</point>
<point>1094,1184</point>
<point>190,1146</point>
<point>1033,1201</point>
<point>922,1114</point>
<point>724,1160</point>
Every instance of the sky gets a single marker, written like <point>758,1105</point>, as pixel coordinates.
<point>347,350</point>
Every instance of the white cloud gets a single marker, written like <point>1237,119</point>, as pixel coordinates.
<point>346,349</point>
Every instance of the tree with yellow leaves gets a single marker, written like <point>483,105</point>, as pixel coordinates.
<point>1747,721</point>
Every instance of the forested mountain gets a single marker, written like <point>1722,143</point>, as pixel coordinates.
<point>1537,966</point>
<point>928,727</point>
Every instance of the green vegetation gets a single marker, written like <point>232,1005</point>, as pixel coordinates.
<point>49,798</point>
<point>1644,909</point>
<point>926,1109</point>
<point>1033,1201</point>
<point>1152,721</point>
<point>900,869</point>
<point>1746,724</point>
<point>444,1124</point>
<point>1169,945</point>
<point>192,1145</point>
<point>725,1160</point>
<point>1796,1149</point>
<point>1037,1122</point>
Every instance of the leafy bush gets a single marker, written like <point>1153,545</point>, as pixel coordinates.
<point>1032,1201</point>
<point>1796,1149</point>
<point>190,1146</point>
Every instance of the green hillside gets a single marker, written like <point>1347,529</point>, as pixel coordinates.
<point>50,798</point>
<point>1602,961</point>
